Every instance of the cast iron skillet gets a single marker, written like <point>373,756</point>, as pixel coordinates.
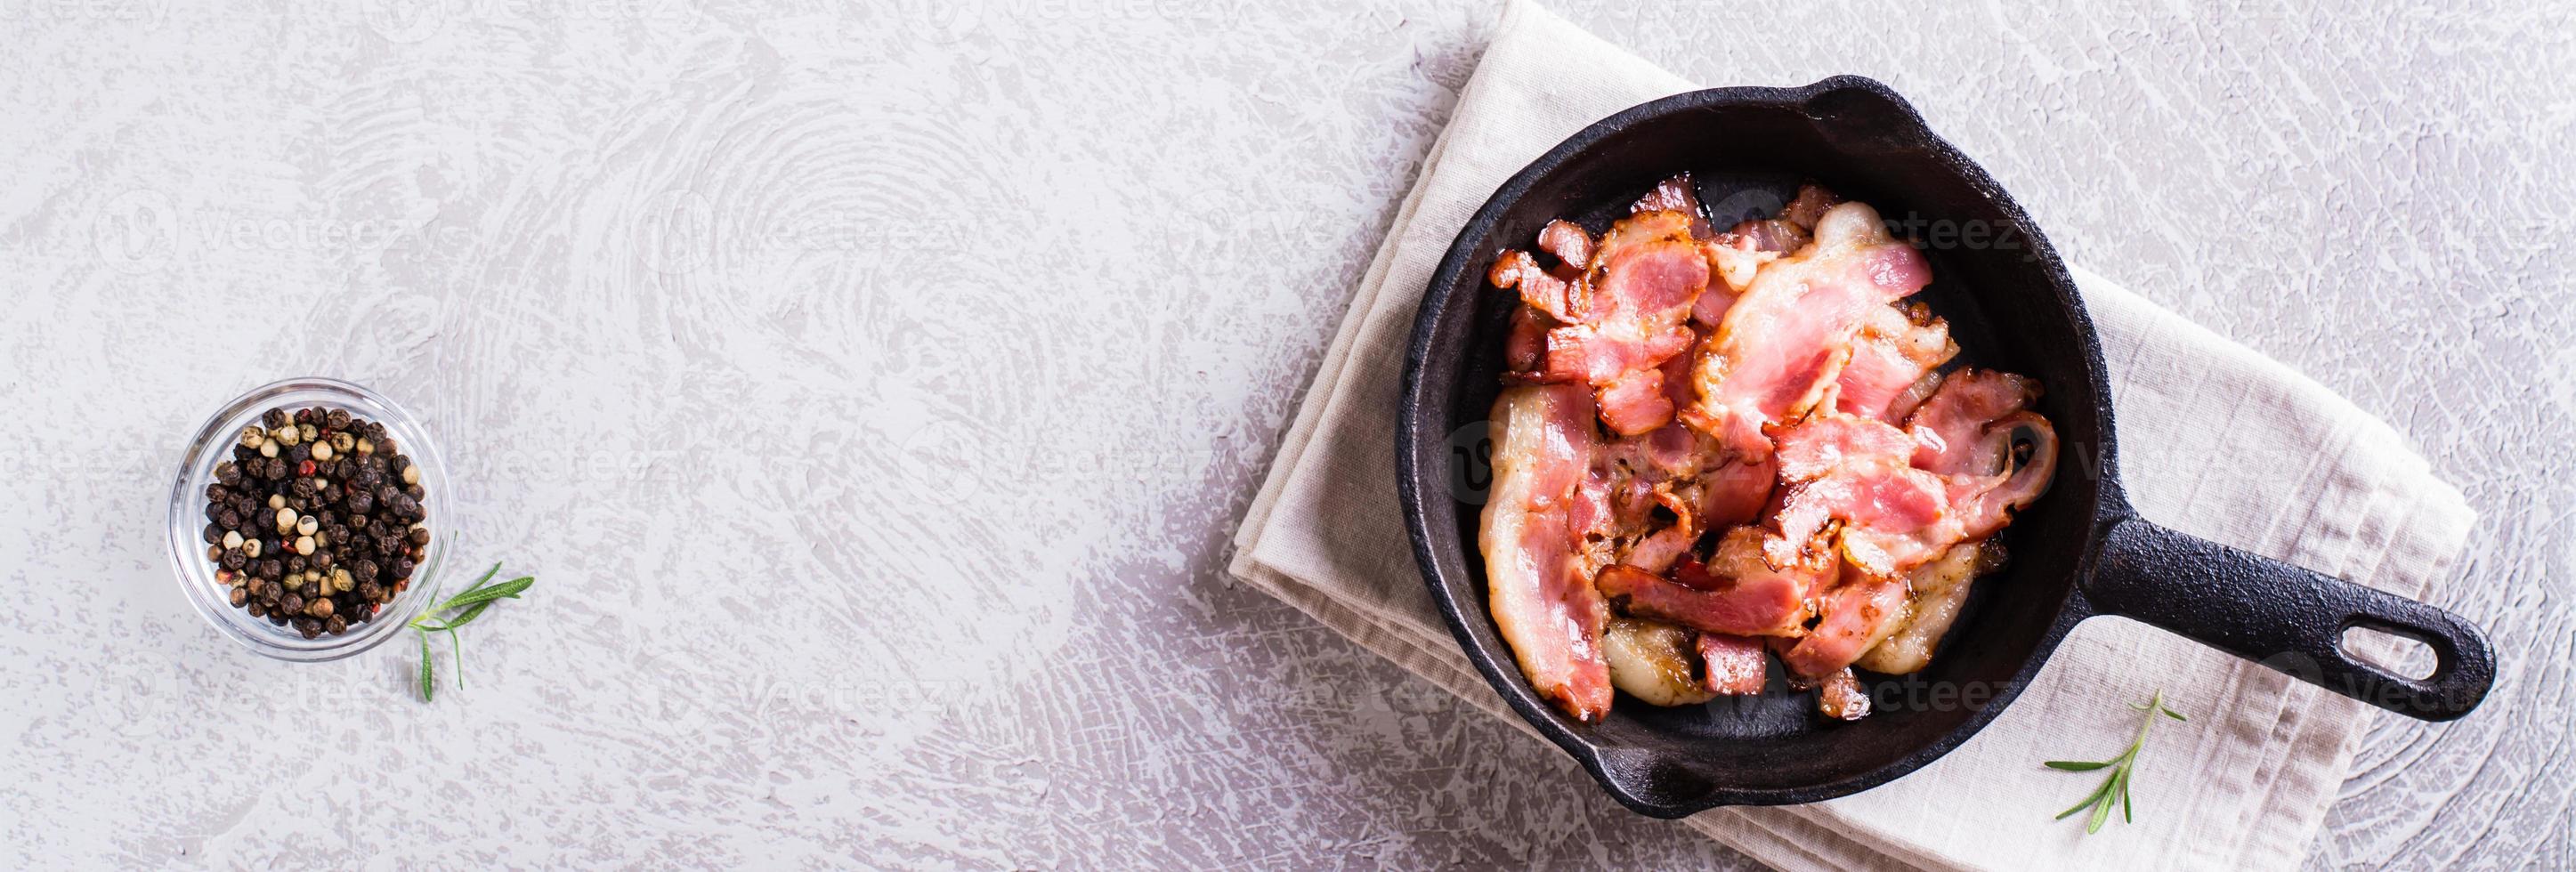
<point>2077,553</point>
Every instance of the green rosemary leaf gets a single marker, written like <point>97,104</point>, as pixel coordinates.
<point>456,646</point>
<point>2089,800</point>
<point>2114,790</point>
<point>457,611</point>
<point>427,685</point>
<point>509,589</point>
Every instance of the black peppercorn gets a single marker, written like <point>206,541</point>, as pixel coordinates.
<point>402,567</point>
<point>296,563</point>
<point>228,473</point>
<point>292,602</point>
<point>274,418</point>
<point>321,560</point>
<point>371,592</point>
<point>304,416</point>
<point>238,597</point>
<point>214,533</point>
<point>308,627</point>
<point>234,558</point>
<point>336,419</point>
<point>258,609</point>
<point>336,625</point>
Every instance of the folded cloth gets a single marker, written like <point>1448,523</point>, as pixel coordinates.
<point>2216,441</point>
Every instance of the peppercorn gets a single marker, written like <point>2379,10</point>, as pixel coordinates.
<point>335,625</point>
<point>371,592</point>
<point>233,558</point>
<point>420,536</point>
<point>271,569</point>
<point>238,597</point>
<point>309,627</point>
<point>214,534</point>
<point>251,438</point>
<point>320,608</point>
<point>217,494</point>
<point>293,602</point>
<point>258,609</point>
<point>228,520</point>
<point>228,473</point>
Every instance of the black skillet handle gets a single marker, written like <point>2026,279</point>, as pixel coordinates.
<point>2288,618</point>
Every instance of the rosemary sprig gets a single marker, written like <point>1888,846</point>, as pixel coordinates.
<point>465,606</point>
<point>2115,789</point>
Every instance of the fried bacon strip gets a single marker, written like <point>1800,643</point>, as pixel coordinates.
<point>1785,341</point>
<point>1896,349</point>
<point>1733,665</point>
<point>1737,594</point>
<point>1538,583</point>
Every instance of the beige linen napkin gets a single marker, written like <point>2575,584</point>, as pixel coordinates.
<point>2216,441</point>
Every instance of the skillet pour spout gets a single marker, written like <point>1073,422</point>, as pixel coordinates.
<point>2079,552</point>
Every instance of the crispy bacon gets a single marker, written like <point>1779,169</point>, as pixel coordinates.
<point>1538,583</point>
<point>1634,303</point>
<point>1896,349</point>
<point>1854,470</point>
<point>1675,194</point>
<point>1951,425</point>
<point>1733,665</point>
<point>1857,615</point>
<point>1758,606</point>
<point>1842,698</point>
<point>1936,592</point>
<point>1787,338</point>
<point>1771,382</point>
<point>1903,499</point>
<point>1569,242</point>
<point>1807,209</point>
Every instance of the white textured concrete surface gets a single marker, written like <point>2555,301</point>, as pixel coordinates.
<point>873,388</point>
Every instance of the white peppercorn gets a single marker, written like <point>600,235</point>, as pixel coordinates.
<point>268,449</point>
<point>304,545</point>
<point>322,451</point>
<point>411,475</point>
<point>232,539</point>
<point>307,525</point>
<point>285,516</point>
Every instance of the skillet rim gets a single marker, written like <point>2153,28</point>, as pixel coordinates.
<point>1418,408</point>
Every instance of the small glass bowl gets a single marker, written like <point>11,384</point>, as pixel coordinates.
<point>214,443</point>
